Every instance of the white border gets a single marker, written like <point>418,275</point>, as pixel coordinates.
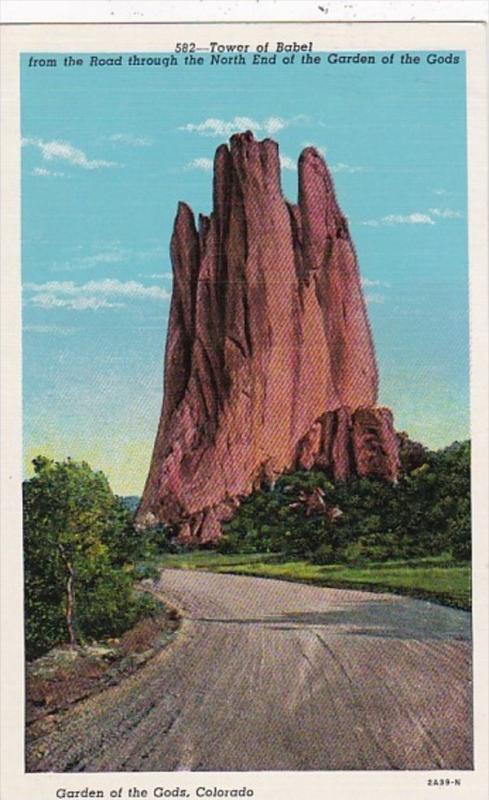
<point>120,38</point>
<point>23,11</point>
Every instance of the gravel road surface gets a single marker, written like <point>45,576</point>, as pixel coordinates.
<point>269,675</point>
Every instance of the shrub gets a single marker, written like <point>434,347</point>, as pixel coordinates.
<point>325,554</point>
<point>146,571</point>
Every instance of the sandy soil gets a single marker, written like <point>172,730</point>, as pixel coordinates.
<point>269,675</point>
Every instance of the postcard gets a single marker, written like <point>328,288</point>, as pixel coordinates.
<point>244,331</point>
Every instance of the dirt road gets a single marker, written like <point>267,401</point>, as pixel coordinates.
<point>268,675</point>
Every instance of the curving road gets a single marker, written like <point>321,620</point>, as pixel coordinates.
<point>268,675</point>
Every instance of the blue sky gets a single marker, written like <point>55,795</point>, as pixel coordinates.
<point>107,154</point>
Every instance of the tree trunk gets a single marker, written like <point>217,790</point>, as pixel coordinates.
<point>70,604</point>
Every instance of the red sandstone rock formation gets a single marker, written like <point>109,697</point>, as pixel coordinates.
<point>269,359</point>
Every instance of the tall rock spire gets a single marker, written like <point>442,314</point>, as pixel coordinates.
<point>269,360</point>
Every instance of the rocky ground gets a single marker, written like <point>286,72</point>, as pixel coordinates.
<point>67,675</point>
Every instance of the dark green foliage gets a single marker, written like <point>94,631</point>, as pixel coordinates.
<point>146,570</point>
<point>426,513</point>
<point>106,604</point>
<point>325,554</point>
<point>156,540</point>
<point>79,543</point>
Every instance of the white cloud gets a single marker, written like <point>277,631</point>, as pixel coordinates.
<point>221,127</point>
<point>275,124</point>
<point>45,173</point>
<point>76,303</point>
<point>132,141</point>
<point>372,223</point>
<point>375,299</point>
<point>410,219</point>
<point>154,253</point>
<point>107,287</point>
<point>367,282</point>
<point>55,150</point>
<point>56,329</point>
<point>445,213</point>
<point>87,262</point>
<point>416,218</point>
<point>340,167</point>
<point>158,275</point>
<point>288,163</point>
<point>204,164</point>
<point>92,294</point>
<point>111,253</point>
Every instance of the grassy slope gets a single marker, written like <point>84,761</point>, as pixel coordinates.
<point>433,578</point>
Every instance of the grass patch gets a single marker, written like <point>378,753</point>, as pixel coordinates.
<point>436,578</point>
<point>209,559</point>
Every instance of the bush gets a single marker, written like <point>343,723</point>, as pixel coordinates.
<point>325,554</point>
<point>146,571</point>
<point>459,533</point>
<point>106,603</point>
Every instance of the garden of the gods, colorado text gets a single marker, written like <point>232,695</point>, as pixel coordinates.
<point>158,793</point>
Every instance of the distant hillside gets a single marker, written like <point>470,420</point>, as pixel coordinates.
<point>131,502</point>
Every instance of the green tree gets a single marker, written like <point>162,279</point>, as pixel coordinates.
<point>77,539</point>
